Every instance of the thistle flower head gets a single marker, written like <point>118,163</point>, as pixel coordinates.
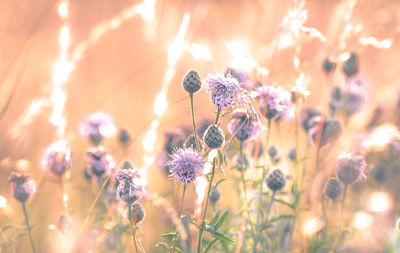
<point>186,164</point>
<point>99,161</point>
<point>131,185</point>
<point>350,167</point>
<point>226,91</point>
<point>57,158</point>
<point>244,125</point>
<point>97,126</point>
<point>275,102</point>
<point>22,186</point>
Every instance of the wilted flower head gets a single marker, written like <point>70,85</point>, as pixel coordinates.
<point>351,167</point>
<point>275,102</point>
<point>99,161</point>
<point>244,125</point>
<point>186,165</point>
<point>131,185</point>
<point>22,186</point>
<point>226,91</point>
<point>57,158</point>
<point>96,126</point>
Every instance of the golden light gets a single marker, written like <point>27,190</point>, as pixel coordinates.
<point>199,52</point>
<point>200,187</point>
<point>3,202</point>
<point>381,136</point>
<point>63,9</point>
<point>312,226</point>
<point>362,221</point>
<point>372,41</point>
<point>379,202</point>
<point>147,10</point>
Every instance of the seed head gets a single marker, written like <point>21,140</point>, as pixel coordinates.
<point>333,189</point>
<point>137,213</point>
<point>22,186</point>
<point>350,168</point>
<point>276,180</point>
<point>192,82</point>
<point>186,164</point>
<point>226,92</point>
<point>131,185</point>
<point>213,137</point>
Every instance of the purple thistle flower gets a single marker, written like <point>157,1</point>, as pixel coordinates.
<point>96,126</point>
<point>186,165</point>
<point>275,102</point>
<point>244,125</point>
<point>99,161</point>
<point>226,91</point>
<point>57,158</point>
<point>131,185</point>
<point>22,186</point>
<point>350,167</point>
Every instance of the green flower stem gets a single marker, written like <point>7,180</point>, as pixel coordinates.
<point>340,227</point>
<point>202,225</point>
<point>180,220</point>
<point>270,204</point>
<point>256,239</point>
<point>133,230</point>
<point>28,227</point>
<point>194,123</point>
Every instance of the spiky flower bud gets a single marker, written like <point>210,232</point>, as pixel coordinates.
<point>213,137</point>
<point>276,180</point>
<point>350,167</point>
<point>137,213</point>
<point>124,136</point>
<point>350,67</point>
<point>22,186</point>
<point>190,142</point>
<point>192,82</point>
<point>333,189</point>
<point>215,196</point>
<point>293,154</point>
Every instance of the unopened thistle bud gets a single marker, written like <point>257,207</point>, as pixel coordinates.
<point>190,142</point>
<point>213,137</point>
<point>137,213</point>
<point>192,82</point>
<point>293,154</point>
<point>328,65</point>
<point>351,66</point>
<point>333,189</point>
<point>276,180</point>
<point>124,136</point>
<point>274,154</point>
<point>215,196</point>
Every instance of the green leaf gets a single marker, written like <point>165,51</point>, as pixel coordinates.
<point>285,203</point>
<point>169,236</point>
<point>163,245</point>
<point>219,181</point>
<point>221,220</point>
<point>220,157</point>
<point>214,219</point>
<point>224,238</point>
<point>210,245</point>
<point>283,216</point>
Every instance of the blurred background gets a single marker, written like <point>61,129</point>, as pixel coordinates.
<point>62,60</point>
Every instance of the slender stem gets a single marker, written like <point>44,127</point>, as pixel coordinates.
<point>260,191</point>
<point>218,113</point>
<point>202,225</point>
<point>270,204</point>
<point>180,218</point>
<point>194,123</point>
<point>10,245</point>
<point>29,227</point>
<point>340,219</point>
<point>133,231</point>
